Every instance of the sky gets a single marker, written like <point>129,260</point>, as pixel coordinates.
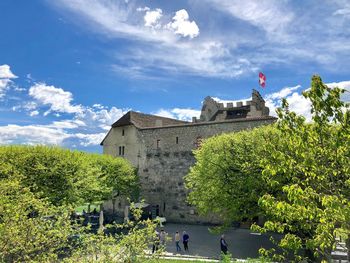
<point>71,68</point>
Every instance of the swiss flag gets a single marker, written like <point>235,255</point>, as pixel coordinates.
<point>262,79</point>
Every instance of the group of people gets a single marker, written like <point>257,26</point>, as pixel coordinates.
<point>185,239</point>
<point>162,236</point>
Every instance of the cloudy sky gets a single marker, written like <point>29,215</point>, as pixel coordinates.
<point>70,68</point>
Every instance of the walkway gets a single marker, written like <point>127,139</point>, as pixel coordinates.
<point>242,243</point>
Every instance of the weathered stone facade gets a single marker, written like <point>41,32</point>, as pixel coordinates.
<point>162,152</point>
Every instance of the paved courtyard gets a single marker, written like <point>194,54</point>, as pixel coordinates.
<point>241,242</point>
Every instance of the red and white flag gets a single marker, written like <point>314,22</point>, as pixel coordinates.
<point>262,79</point>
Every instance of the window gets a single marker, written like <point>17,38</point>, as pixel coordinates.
<point>177,140</point>
<point>123,132</point>
<point>158,144</point>
<point>121,150</point>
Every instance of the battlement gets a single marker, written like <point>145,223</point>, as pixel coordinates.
<point>214,109</point>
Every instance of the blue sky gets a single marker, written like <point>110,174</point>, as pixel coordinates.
<point>70,68</point>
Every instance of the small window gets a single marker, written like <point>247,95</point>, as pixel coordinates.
<point>121,150</point>
<point>164,207</point>
<point>177,140</point>
<point>123,132</point>
<point>158,144</point>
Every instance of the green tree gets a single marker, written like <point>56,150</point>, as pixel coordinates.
<point>227,177</point>
<point>67,177</point>
<point>38,188</point>
<point>131,243</point>
<point>115,177</point>
<point>31,229</point>
<point>308,173</point>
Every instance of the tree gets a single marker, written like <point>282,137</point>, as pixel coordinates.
<point>298,172</point>
<point>31,229</point>
<point>40,185</point>
<point>308,173</point>
<point>226,179</point>
<point>67,177</point>
<point>116,177</point>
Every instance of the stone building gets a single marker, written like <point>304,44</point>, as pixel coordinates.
<point>161,149</point>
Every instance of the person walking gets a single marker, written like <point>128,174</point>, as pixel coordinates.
<point>223,244</point>
<point>185,238</point>
<point>162,238</point>
<point>155,242</point>
<point>177,241</point>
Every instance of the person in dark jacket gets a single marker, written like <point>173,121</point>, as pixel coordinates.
<point>223,244</point>
<point>185,238</point>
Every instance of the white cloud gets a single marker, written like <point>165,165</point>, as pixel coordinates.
<point>266,32</point>
<point>207,58</point>
<point>270,15</point>
<point>114,18</point>
<point>152,18</point>
<point>343,85</point>
<point>6,73</point>
<point>4,86</point>
<point>182,26</point>
<point>178,113</point>
<point>297,102</point>
<point>141,9</point>
<point>33,113</point>
<point>5,79</point>
<point>86,127</point>
<point>90,139</point>
<point>31,134</point>
<point>100,118</point>
<point>56,98</point>
<point>282,93</point>
<point>343,12</point>
<point>67,124</point>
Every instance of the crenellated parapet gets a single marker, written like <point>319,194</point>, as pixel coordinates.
<point>218,110</point>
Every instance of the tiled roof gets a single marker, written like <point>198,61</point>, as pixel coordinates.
<point>141,120</point>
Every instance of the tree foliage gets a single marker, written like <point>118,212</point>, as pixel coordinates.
<point>295,173</point>
<point>308,172</point>
<point>68,177</point>
<point>40,185</point>
<point>227,177</point>
<point>31,229</point>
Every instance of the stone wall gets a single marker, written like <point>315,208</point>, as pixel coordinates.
<point>162,169</point>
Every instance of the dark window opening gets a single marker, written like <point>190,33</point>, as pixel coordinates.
<point>237,114</point>
<point>123,132</point>
<point>158,144</point>
<point>121,150</point>
<point>177,140</point>
<point>164,207</point>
